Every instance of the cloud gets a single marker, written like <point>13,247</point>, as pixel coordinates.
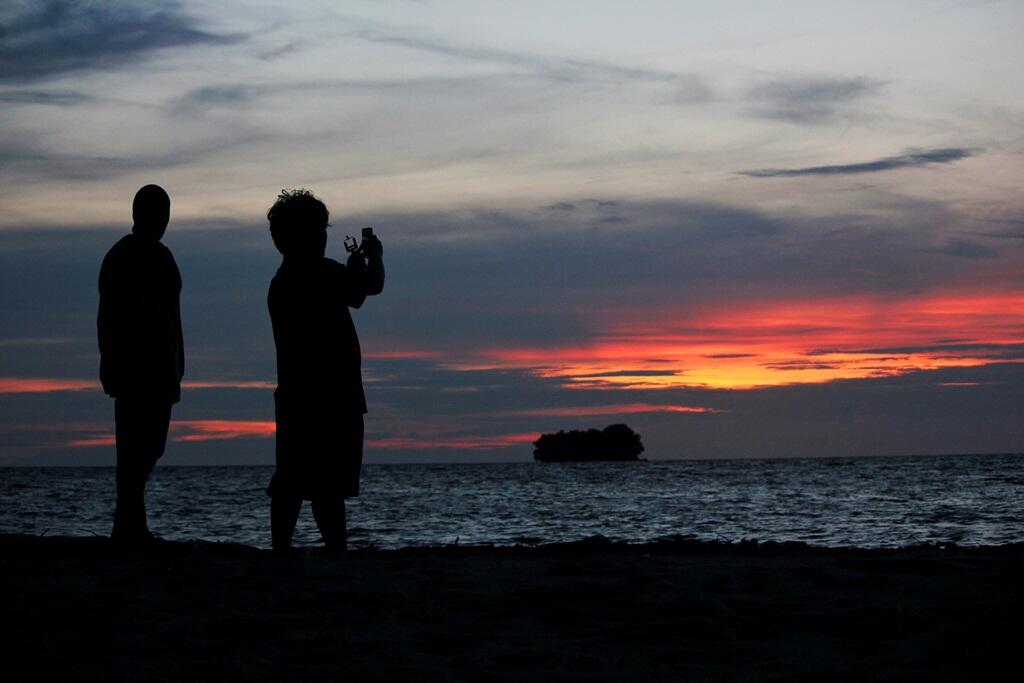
<point>256,384</point>
<point>241,96</point>
<point>481,442</point>
<point>809,100</point>
<point>1014,232</point>
<point>57,98</point>
<point>964,248</point>
<point>996,352</point>
<point>216,430</point>
<point>218,96</point>
<point>613,409</point>
<point>15,342</point>
<point>689,87</point>
<point>698,286</point>
<point>44,385</point>
<point>96,441</point>
<point>945,155</point>
<point>31,159</point>
<point>636,373</point>
<point>975,409</point>
<point>464,280</point>
<point>55,37</point>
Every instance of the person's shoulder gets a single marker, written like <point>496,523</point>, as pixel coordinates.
<point>126,243</point>
<point>281,275</point>
<point>119,251</point>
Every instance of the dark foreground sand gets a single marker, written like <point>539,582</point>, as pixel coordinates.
<point>78,608</point>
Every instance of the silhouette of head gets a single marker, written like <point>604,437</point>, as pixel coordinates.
<point>298,223</point>
<point>151,211</point>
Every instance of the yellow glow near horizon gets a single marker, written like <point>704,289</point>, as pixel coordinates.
<point>785,342</point>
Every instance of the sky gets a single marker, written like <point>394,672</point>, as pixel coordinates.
<point>745,229</point>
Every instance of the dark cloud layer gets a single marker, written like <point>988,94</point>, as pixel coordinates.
<point>946,155</point>
<point>993,351</point>
<point>55,37</point>
<point>466,279</point>
<point>809,100</point>
<point>966,248</point>
<point>26,158</point>
<point>955,410</point>
<point>42,97</point>
<point>463,280</point>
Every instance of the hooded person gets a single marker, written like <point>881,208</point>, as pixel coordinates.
<point>142,356</point>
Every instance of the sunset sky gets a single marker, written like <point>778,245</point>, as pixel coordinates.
<point>746,229</point>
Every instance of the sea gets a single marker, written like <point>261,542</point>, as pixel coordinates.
<point>865,502</point>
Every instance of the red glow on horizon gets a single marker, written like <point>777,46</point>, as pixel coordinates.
<point>616,409</point>
<point>455,442</point>
<point>102,440</point>
<point>44,385</point>
<point>48,385</point>
<point>772,343</point>
<point>400,355</point>
<point>194,431</point>
<point>229,384</point>
<point>218,430</point>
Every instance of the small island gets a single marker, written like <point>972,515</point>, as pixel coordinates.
<point>614,443</point>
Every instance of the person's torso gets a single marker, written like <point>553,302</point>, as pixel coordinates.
<point>144,286</point>
<point>317,346</point>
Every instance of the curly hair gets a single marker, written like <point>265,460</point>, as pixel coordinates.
<point>298,223</point>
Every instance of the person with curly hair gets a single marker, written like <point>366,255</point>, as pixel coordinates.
<point>319,401</point>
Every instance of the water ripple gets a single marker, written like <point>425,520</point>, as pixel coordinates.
<point>867,502</point>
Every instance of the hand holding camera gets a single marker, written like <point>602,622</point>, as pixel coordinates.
<point>371,248</point>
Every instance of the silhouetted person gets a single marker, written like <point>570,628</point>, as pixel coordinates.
<point>319,399</point>
<point>142,356</point>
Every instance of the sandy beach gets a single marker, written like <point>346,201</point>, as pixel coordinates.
<point>682,610</point>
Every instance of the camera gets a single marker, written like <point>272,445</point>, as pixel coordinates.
<point>351,246</point>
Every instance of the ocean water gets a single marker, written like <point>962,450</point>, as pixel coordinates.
<point>866,502</point>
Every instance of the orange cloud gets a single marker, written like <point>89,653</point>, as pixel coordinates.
<point>191,431</point>
<point>219,430</point>
<point>616,409</point>
<point>407,354</point>
<point>770,343</point>
<point>457,442</point>
<point>186,431</point>
<point>92,441</point>
<point>44,385</point>
<point>229,384</point>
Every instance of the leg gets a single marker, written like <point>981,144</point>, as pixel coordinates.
<point>284,513</point>
<point>141,435</point>
<point>329,511</point>
<point>330,518</point>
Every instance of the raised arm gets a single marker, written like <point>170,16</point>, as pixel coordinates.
<point>366,272</point>
<point>374,277</point>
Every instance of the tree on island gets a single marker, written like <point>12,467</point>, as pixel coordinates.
<point>613,443</point>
